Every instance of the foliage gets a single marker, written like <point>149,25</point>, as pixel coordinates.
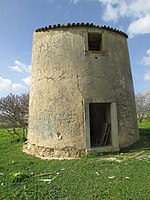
<point>144,125</point>
<point>13,112</point>
<point>24,176</point>
<point>143,105</point>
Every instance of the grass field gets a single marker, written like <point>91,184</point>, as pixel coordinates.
<point>120,176</point>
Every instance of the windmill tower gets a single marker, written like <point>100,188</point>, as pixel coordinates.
<point>82,97</point>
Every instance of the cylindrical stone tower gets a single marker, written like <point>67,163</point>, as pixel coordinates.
<point>82,97</point>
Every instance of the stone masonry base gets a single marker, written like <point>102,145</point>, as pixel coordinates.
<point>53,153</point>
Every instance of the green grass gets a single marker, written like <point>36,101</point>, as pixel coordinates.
<point>125,176</point>
<point>144,125</point>
<point>144,141</point>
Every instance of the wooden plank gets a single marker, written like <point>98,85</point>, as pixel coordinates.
<point>105,134</point>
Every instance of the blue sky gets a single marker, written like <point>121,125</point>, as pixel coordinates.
<point>20,18</point>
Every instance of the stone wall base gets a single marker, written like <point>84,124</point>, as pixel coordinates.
<point>53,153</point>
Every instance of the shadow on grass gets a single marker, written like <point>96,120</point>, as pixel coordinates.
<point>142,143</point>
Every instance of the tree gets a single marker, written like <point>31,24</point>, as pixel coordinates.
<point>143,105</point>
<point>14,113</point>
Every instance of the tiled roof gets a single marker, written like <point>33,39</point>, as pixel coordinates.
<point>79,25</point>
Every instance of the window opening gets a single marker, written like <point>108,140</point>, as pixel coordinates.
<point>100,126</point>
<point>94,41</point>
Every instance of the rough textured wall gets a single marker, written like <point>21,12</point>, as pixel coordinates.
<point>122,88</point>
<point>64,73</point>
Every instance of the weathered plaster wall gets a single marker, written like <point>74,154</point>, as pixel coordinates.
<point>64,73</point>
<point>56,111</point>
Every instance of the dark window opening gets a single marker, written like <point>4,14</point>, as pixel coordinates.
<point>100,126</point>
<point>94,41</point>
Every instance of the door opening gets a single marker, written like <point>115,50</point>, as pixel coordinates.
<point>100,124</point>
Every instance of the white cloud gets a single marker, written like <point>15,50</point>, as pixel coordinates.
<point>20,67</point>
<point>126,8</point>
<point>111,13</point>
<point>147,76</point>
<point>139,26</point>
<point>7,86</point>
<point>17,87</point>
<point>138,11</point>
<point>139,8</point>
<point>113,9</point>
<point>26,80</point>
<point>146,59</point>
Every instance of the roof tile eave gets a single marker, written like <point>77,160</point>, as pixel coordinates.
<point>80,25</point>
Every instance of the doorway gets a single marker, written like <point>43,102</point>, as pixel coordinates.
<point>100,124</point>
